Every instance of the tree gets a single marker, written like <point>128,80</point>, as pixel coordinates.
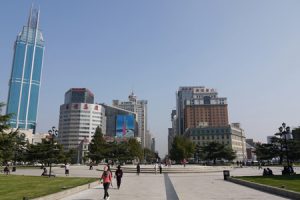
<point>97,146</point>
<point>296,134</point>
<point>268,151</point>
<point>7,146</point>
<point>20,146</point>
<point>149,155</point>
<point>8,138</point>
<point>135,149</point>
<point>66,157</point>
<point>280,148</point>
<point>294,150</point>
<point>182,148</point>
<point>215,150</point>
<point>198,153</point>
<point>46,152</point>
<point>3,120</point>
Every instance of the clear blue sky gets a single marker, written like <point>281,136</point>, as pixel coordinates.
<point>247,50</point>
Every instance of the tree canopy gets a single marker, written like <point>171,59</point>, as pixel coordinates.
<point>279,147</point>
<point>182,148</point>
<point>97,146</point>
<point>214,151</point>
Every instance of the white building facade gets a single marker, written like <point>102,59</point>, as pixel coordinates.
<point>78,122</point>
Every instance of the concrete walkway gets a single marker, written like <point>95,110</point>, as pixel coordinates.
<point>170,186</point>
<point>190,186</point>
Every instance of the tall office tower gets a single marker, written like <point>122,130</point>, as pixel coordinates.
<point>153,145</point>
<point>139,107</point>
<point>198,106</point>
<point>78,118</point>
<point>148,140</point>
<point>24,84</point>
<point>172,131</point>
<point>203,117</point>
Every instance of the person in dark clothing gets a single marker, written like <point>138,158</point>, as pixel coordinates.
<point>138,169</point>
<point>6,170</point>
<point>118,175</point>
<point>45,173</point>
<point>265,172</point>
<point>160,168</point>
<point>270,172</point>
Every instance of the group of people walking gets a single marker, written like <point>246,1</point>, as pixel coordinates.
<point>106,179</point>
<point>107,176</point>
<point>156,168</point>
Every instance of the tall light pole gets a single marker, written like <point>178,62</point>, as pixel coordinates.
<point>283,132</point>
<point>53,133</point>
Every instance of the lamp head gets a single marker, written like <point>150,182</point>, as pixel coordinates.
<point>288,129</point>
<point>278,134</point>
<point>283,125</point>
<point>56,133</point>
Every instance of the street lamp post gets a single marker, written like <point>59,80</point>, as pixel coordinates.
<point>283,132</point>
<point>53,133</point>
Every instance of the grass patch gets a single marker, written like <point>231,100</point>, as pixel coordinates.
<point>16,187</point>
<point>288,182</point>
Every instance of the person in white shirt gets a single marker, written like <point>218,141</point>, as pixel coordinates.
<point>67,169</point>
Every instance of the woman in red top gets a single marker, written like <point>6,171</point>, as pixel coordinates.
<point>106,178</point>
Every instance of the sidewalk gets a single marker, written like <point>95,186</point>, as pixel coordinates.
<point>175,186</point>
<point>145,186</point>
<point>148,186</point>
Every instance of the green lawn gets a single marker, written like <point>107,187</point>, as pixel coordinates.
<point>14,187</point>
<point>289,182</point>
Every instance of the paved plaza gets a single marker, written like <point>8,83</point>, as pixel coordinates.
<point>208,184</point>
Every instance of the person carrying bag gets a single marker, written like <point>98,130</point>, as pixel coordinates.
<point>106,180</point>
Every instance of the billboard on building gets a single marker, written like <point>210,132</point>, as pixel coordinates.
<point>125,126</point>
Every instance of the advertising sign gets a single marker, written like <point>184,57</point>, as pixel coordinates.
<point>125,126</point>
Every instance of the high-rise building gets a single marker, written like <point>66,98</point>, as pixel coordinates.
<point>202,116</point>
<point>148,140</point>
<point>172,131</point>
<point>139,107</point>
<point>24,84</point>
<point>78,120</point>
<point>199,105</point>
<point>153,145</point>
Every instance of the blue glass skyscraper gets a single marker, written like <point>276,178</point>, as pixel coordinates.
<point>24,84</point>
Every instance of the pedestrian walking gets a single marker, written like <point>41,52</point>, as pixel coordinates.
<point>138,169</point>
<point>119,175</point>
<point>67,169</point>
<point>155,168</point>
<point>6,170</point>
<point>109,170</point>
<point>184,162</point>
<point>91,165</point>
<point>106,180</point>
<point>160,168</point>
<point>259,165</point>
